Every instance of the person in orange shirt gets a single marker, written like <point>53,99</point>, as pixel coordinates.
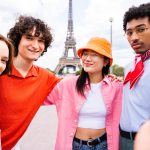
<point>6,54</point>
<point>27,85</point>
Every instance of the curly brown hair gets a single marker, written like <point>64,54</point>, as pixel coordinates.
<point>11,51</point>
<point>134,12</point>
<point>25,25</point>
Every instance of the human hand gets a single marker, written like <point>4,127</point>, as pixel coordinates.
<point>115,78</point>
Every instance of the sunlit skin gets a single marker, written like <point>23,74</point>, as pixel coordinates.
<point>139,43</point>
<point>30,49</point>
<point>92,63</point>
<point>4,56</point>
<point>142,140</point>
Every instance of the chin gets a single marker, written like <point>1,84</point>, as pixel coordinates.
<point>35,57</point>
<point>141,52</point>
<point>87,70</point>
<point>138,51</point>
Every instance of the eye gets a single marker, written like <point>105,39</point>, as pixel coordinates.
<point>129,32</point>
<point>41,40</point>
<point>29,37</point>
<point>84,53</point>
<point>94,54</point>
<point>140,29</point>
<point>4,61</point>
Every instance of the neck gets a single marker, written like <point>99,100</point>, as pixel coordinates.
<point>95,77</point>
<point>22,65</point>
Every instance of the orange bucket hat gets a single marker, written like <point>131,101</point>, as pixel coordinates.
<point>100,46</point>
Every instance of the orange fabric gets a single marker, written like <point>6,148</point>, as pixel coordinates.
<point>20,98</point>
<point>100,46</point>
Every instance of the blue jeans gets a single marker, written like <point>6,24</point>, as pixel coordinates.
<point>79,146</point>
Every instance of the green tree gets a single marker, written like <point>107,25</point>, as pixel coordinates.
<point>78,72</point>
<point>118,70</point>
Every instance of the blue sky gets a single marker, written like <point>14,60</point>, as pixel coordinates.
<point>90,18</point>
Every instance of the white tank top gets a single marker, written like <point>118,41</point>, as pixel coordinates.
<point>93,112</point>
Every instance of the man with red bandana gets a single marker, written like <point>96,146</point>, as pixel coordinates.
<point>136,95</point>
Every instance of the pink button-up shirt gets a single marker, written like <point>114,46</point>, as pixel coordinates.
<point>68,104</point>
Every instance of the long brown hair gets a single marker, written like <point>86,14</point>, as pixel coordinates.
<point>11,51</point>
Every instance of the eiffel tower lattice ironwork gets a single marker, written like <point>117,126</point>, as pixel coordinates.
<point>70,46</point>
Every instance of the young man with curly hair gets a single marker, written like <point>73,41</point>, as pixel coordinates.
<point>25,89</point>
<point>136,95</point>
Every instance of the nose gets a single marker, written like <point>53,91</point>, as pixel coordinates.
<point>89,56</point>
<point>35,43</point>
<point>134,36</point>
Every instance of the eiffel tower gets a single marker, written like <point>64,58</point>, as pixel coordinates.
<point>69,62</point>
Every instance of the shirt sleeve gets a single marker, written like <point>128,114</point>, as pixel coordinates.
<point>53,80</point>
<point>55,94</point>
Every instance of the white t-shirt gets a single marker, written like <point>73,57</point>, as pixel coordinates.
<point>93,112</point>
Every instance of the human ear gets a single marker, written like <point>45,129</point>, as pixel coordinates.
<point>106,62</point>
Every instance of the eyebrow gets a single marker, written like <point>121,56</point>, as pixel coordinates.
<point>4,57</point>
<point>40,36</point>
<point>136,27</point>
<point>28,34</point>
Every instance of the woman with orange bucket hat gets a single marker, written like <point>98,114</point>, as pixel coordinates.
<point>89,105</point>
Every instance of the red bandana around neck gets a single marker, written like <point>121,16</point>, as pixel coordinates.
<point>134,75</point>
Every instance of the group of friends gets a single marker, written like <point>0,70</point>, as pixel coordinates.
<point>95,111</point>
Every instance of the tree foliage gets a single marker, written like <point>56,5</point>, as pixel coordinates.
<point>118,70</point>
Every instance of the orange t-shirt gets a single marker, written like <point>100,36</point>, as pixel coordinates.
<point>20,98</point>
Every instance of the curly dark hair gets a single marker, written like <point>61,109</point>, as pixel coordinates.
<point>134,12</point>
<point>24,25</point>
<point>11,51</point>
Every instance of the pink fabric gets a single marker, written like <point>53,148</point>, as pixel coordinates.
<point>68,104</point>
<point>134,75</point>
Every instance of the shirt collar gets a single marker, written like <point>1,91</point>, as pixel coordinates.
<point>32,72</point>
<point>106,80</point>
